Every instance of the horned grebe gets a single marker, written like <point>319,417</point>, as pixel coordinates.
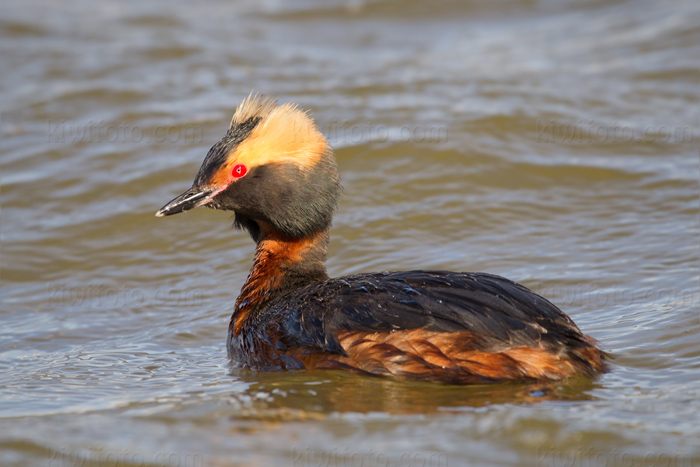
<point>277,173</point>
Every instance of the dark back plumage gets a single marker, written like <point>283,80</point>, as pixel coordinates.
<point>493,314</point>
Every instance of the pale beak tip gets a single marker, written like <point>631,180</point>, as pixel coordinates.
<point>184,202</point>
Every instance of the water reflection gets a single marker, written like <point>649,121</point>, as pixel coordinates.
<point>313,394</point>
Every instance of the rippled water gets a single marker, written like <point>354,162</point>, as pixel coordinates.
<point>552,142</point>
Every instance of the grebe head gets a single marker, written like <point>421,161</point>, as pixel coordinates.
<point>273,168</point>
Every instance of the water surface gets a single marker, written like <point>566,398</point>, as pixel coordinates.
<point>554,143</point>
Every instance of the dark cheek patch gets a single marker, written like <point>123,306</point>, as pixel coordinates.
<point>295,203</point>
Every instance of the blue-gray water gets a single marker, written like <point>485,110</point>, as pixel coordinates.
<point>552,142</point>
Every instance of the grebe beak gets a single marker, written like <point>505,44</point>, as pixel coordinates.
<point>188,200</point>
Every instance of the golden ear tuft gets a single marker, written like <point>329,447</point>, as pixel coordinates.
<point>284,134</point>
<point>255,105</point>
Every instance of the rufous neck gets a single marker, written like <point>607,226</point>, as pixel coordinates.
<point>281,265</point>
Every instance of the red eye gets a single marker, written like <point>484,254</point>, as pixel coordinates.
<point>239,170</point>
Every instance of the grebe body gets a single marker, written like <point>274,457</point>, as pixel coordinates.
<point>277,173</point>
